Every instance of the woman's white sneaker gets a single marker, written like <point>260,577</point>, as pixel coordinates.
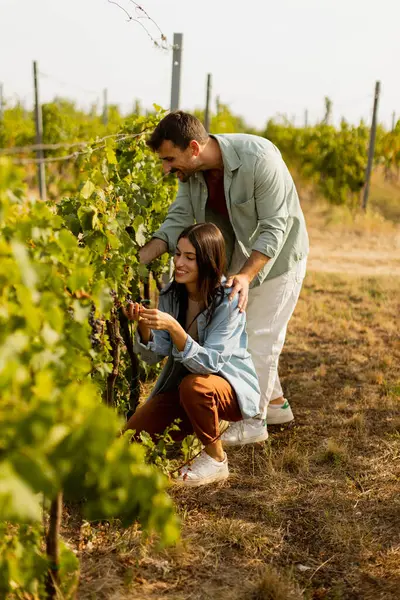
<point>203,470</point>
<point>243,432</point>
<point>278,414</point>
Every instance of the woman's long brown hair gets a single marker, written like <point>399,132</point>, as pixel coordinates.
<point>209,244</point>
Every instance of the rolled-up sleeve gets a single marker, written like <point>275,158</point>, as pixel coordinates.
<point>222,339</point>
<point>156,349</point>
<point>270,198</point>
<point>180,215</point>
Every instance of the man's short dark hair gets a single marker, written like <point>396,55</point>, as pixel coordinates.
<point>180,128</point>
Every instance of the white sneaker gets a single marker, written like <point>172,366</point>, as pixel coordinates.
<point>243,432</point>
<point>203,470</point>
<point>279,414</point>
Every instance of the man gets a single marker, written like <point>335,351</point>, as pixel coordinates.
<point>241,183</point>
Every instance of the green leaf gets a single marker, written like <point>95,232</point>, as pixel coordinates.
<point>28,274</point>
<point>87,189</point>
<point>88,217</point>
<point>69,571</point>
<point>80,336</point>
<point>49,336</point>
<point>80,278</point>
<point>81,313</point>
<point>113,240</point>
<point>123,218</point>
<point>73,224</point>
<point>137,221</point>
<point>67,240</point>
<point>32,313</point>
<point>97,241</point>
<point>18,502</point>
<point>44,385</point>
<point>102,296</point>
<point>112,159</point>
<point>140,235</point>
<point>36,471</point>
<point>143,271</point>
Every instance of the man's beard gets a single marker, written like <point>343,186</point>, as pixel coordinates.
<point>184,176</point>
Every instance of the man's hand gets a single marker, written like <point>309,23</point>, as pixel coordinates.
<point>241,281</point>
<point>240,284</point>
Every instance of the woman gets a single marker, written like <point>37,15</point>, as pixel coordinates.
<point>209,375</point>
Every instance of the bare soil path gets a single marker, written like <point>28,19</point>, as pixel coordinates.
<point>352,254</point>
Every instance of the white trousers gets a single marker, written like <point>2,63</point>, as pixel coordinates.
<point>268,313</point>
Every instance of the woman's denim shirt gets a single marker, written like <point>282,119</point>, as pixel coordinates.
<point>221,350</point>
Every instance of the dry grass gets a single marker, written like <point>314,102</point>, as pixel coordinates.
<point>314,512</point>
<point>272,586</point>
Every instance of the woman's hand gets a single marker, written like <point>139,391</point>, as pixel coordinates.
<point>156,319</point>
<point>152,318</point>
<point>132,311</point>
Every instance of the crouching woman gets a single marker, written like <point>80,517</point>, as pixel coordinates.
<point>209,374</point>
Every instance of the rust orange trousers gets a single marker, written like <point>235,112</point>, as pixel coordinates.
<point>199,402</point>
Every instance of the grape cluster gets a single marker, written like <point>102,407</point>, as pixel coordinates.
<point>97,329</point>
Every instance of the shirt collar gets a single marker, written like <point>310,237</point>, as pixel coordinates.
<point>229,155</point>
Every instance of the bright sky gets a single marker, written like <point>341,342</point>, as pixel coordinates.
<point>265,57</point>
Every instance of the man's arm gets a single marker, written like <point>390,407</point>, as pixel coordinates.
<point>180,215</point>
<point>152,250</point>
<point>253,265</point>
<point>241,281</point>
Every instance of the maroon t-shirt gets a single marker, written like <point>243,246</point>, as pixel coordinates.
<point>214,179</point>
